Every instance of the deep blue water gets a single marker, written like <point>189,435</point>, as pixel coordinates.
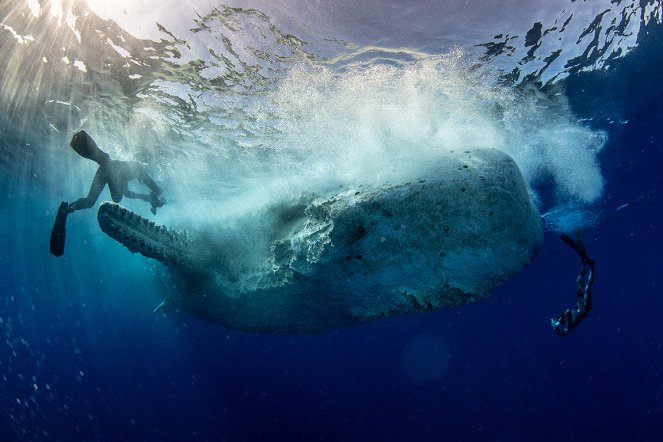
<point>83,358</point>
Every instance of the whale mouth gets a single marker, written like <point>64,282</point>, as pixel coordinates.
<point>143,236</point>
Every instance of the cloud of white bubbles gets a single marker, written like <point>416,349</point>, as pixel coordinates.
<point>371,123</point>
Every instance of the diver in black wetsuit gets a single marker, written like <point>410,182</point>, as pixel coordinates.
<point>116,174</point>
<point>570,319</point>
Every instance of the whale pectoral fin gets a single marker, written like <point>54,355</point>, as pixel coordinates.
<point>140,235</point>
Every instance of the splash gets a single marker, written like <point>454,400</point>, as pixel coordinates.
<point>231,110</point>
<point>321,127</point>
<point>372,123</point>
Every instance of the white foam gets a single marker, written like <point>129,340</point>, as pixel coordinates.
<point>368,123</point>
<point>321,128</point>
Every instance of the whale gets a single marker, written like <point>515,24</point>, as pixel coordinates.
<point>311,262</point>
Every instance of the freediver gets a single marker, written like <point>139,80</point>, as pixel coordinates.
<point>115,173</point>
<point>570,319</point>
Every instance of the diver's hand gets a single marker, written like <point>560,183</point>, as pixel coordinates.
<point>156,202</point>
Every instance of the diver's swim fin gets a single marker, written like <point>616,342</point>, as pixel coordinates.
<point>578,246</point>
<point>567,239</point>
<point>58,233</point>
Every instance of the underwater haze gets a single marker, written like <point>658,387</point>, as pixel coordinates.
<point>232,105</point>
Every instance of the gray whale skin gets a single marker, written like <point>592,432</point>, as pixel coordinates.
<point>314,263</point>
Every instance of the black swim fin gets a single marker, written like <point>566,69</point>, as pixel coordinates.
<point>567,239</point>
<point>58,233</point>
<point>578,246</point>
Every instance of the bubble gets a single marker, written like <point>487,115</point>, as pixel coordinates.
<point>379,122</point>
<point>319,128</point>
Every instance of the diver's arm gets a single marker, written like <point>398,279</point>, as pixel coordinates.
<point>96,188</point>
<point>135,170</point>
<point>149,182</point>
<point>135,195</point>
<point>155,190</point>
<point>568,320</point>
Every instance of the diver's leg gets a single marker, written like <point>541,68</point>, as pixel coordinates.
<point>571,318</point>
<point>58,233</point>
<point>137,196</point>
<point>96,187</point>
<point>146,179</point>
<point>580,281</point>
<point>80,204</point>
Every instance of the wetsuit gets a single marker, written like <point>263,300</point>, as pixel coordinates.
<point>570,319</point>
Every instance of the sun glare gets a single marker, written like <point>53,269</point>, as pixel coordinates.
<point>139,17</point>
